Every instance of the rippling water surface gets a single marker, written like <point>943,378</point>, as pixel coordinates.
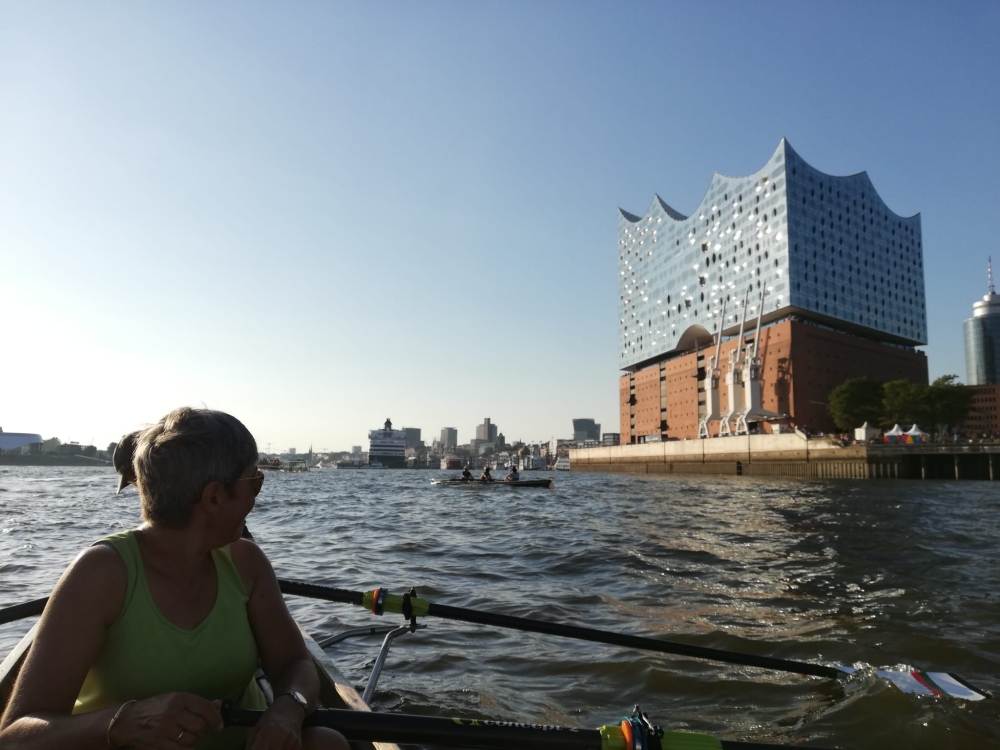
<point>885,573</point>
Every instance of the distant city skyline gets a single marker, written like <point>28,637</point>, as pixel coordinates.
<point>412,211</point>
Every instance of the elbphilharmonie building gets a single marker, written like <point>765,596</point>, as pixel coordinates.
<point>815,258</point>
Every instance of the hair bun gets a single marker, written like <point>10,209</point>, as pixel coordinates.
<point>122,460</point>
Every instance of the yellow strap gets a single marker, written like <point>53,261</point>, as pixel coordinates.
<point>393,604</point>
<point>689,741</point>
<point>612,738</point>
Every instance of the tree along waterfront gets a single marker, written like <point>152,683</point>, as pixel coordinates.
<point>943,406</point>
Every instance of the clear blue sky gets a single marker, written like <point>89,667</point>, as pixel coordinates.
<point>316,215</point>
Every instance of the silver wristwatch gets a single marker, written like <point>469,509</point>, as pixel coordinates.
<point>298,698</point>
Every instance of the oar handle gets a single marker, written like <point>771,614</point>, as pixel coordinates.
<point>364,726</point>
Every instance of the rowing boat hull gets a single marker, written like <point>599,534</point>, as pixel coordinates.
<point>334,689</point>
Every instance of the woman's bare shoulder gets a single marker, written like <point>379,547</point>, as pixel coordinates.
<point>99,560</point>
<point>251,563</point>
<point>97,576</point>
<point>246,552</point>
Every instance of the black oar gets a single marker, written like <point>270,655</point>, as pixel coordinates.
<point>634,732</point>
<point>20,611</point>
<point>380,601</point>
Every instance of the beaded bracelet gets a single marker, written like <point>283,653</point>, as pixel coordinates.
<point>111,724</point>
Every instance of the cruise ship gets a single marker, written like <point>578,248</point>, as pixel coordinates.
<point>387,447</point>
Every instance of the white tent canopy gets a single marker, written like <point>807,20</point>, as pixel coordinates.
<point>896,430</point>
<point>915,431</point>
<point>865,432</point>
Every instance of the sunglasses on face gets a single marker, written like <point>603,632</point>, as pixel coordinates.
<point>257,479</point>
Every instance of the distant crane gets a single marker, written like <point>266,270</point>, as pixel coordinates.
<point>751,383</point>
<point>733,386</point>
<point>712,382</point>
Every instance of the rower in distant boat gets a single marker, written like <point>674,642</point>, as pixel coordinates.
<point>486,477</point>
<point>512,475</point>
<point>466,475</point>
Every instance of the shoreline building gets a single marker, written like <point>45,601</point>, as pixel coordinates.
<point>744,315</point>
<point>387,447</point>
<point>413,439</point>
<point>586,429</point>
<point>17,441</point>
<point>982,337</point>
<point>487,431</point>
<point>982,356</point>
<point>984,415</point>
<point>449,438</point>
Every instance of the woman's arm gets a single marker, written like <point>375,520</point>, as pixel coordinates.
<point>283,653</point>
<point>85,602</point>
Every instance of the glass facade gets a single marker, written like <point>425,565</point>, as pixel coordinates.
<point>823,247</point>
<point>982,349</point>
<point>586,429</point>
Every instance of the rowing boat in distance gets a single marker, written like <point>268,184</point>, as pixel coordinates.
<point>521,483</point>
<point>335,690</point>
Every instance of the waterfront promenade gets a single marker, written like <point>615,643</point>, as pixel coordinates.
<point>794,455</point>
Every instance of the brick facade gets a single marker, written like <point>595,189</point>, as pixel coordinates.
<point>801,364</point>
<point>984,417</point>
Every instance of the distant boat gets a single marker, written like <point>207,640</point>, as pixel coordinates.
<point>360,465</point>
<point>561,464</point>
<point>295,464</point>
<point>496,483</point>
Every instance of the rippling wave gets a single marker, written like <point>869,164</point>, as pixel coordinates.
<point>877,573</point>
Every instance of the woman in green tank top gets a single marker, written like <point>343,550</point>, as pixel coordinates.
<point>148,631</point>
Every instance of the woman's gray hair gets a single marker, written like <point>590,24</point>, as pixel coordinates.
<point>178,456</point>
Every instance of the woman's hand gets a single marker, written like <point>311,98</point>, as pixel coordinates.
<point>280,728</point>
<point>166,722</point>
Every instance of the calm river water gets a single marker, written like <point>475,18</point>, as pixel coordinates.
<point>886,573</point>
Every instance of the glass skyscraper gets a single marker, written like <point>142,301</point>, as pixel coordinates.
<point>982,338</point>
<point>586,429</point>
<point>818,247</point>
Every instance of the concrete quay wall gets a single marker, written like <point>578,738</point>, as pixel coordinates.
<point>793,456</point>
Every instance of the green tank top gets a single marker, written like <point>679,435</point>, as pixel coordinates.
<point>144,654</point>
